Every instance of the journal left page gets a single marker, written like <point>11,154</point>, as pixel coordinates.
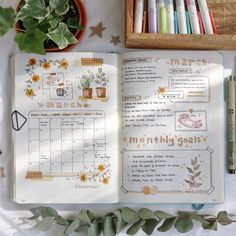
<point>66,149</point>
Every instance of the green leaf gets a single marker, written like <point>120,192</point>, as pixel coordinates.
<point>45,224</point>
<point>35,213</point>
<point>61,7</point>
<point>223,218</point>
<point>61,221</point>
<point>149,226</point>
<point>73,23</point>
<point>145,214</point>
<point>136,227</point>
<point>35,9</point>
<point>199,218</point>
<point>130,216</point>
<point>120,225</point>
<point>212,225</point>
<point>7,19</point>
<point>183,225</point>
<point>109,227</point>
<point>30,23</point>
<point>72,227</point>
<point>83,216</point>
<point>119,222</point>
<point>62,36</point>
<point>95,229</point>
<point>163,215</point>
<point>167,224</point>
<point>31,41</point>
<point>53,20</point>
<point>45,211</point>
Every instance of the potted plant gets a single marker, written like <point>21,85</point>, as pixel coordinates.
<point>85,84</point>
<point>45,25</point>
<point>101,82</point>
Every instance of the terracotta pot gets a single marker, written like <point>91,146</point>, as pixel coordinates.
<point>78,34</point>
<point>87,93</point>
<point>101,92</point>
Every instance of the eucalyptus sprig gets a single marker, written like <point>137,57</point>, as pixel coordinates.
<point>41,22</point>
<point>114,222</point>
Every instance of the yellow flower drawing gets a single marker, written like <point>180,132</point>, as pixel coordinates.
<point>146,190</point>
<point>46,65</point>
<point>32,62</point>
<point>64,64</point>
<point>83,178</point>
<point>101,168</point>
<point>35,78</point>
<point>105,181</point>
<point>162,90</point>
<point>29,92</point>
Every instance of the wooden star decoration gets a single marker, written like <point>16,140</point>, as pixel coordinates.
<point>115,40</point>
<point>97,30</point>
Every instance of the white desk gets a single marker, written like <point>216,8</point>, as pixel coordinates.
<point>12,216</point>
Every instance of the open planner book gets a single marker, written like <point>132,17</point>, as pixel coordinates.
<point>138,127</point>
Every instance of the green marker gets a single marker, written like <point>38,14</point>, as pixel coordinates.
<point>163,21</point>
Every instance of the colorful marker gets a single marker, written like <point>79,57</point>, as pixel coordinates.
<point>192,9</point>
<point>170,16</point>
<point>138,16</point>
<point>152,16</point>
<point>205,16</point>
<point>180,7</point>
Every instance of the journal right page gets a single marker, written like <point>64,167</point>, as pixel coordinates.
<point>172,136</point>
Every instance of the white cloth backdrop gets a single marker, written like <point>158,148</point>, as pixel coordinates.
<point>13,216</point>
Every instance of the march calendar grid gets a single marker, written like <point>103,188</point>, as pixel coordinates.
<point>66,142</point>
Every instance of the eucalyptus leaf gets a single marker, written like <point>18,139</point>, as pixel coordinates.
<point>120,225</point>
<point>62,36</point>
<point>61,221</point>
<point>72,227</point>
<point>199,218</point>
<point>109,227</point>
<point>129,215</point>
<point>163,215</point>
<point>61,7</point>
<point>149,226</point>
<point>47,211</point>
<point>183,225</point>
<point>45,224</point>
<point>83,216</point>
<point>167,224</point>
<point>223,218</point>
<point>7,19</point>
<point>35,9</point>
<point>95,229</point>
<point>31,41</point>
<point>117,213</point>
<point>212,225</point>
<point>35,213</point>
<point>136,227</point>
<point>145,214</point>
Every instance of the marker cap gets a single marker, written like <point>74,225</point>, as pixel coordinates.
<point>231,89</point>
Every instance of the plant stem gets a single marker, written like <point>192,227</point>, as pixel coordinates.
<point>21,30</point>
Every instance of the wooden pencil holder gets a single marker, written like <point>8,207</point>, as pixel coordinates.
<point>224,12</point>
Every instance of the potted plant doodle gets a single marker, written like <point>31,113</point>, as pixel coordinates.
<point>85,84</point>
<point>45,25</point>
<point>101,82</point>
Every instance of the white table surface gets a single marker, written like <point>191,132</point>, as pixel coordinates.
<point>13,216</point>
